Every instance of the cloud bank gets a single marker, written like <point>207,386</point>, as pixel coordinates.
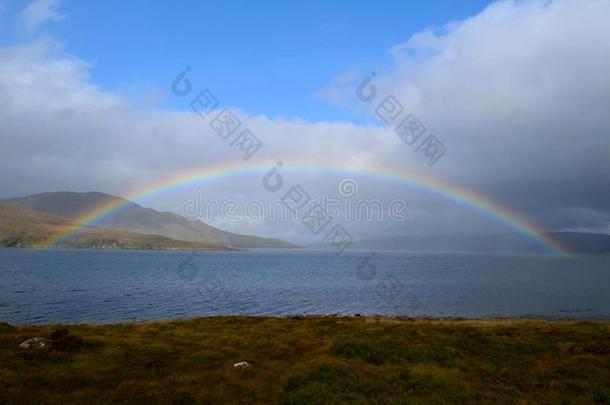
<point>519,95</point>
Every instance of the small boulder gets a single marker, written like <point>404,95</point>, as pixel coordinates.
<point>33,344</point>
<point>241,364</point>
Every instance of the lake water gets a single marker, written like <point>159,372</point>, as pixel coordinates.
<point>110,286</point>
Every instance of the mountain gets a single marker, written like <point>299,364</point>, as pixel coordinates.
<point>21,227</point>
<point>584,243</point>
<point>135,218</point>
<point>581,242</point>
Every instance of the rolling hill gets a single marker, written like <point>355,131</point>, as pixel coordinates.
<point>21,227</point>
<point>137,219</point>
<point>577,242</point>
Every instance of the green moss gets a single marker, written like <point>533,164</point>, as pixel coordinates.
<point>293,361</point>
<point>376,352</point>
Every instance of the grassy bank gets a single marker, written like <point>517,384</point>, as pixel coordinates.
<point>309,360</point>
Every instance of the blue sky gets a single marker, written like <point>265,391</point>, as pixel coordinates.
<point>492,82</point>
<point>271,57</point>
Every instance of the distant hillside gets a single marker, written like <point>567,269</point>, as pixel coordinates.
<point>135,218</point>
<point>21,227</point>
<point>585,243</point>
<point>581,242</point>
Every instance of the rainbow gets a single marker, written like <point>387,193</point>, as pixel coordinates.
<point>451,192</point>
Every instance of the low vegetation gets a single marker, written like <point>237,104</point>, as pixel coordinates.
<point>309,360</point>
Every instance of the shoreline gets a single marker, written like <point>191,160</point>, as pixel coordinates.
<point>305,317</point>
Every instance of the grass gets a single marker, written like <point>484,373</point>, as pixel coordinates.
<point>309,360</point>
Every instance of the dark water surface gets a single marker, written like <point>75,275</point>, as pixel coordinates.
<point>109,286</point>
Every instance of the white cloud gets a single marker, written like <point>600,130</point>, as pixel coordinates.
<point>519,94</point>
<point>58,131</point>
<point>39,12</point>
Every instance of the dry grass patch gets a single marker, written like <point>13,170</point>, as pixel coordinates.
<point>309,360</point>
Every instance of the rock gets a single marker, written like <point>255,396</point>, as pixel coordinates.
<point>241,364</point>
<point>33,343</point>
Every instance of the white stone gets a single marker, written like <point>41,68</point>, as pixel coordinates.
<point>33,343</point>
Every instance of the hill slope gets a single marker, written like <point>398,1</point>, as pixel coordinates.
<point>135,218</point>
<point>21,227</point>
<point>585,243</point>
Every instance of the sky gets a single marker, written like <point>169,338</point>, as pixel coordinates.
<point>517,92</point>
<point>267,58</point>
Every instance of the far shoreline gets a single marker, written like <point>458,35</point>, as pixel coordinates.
<point>370,318</point>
